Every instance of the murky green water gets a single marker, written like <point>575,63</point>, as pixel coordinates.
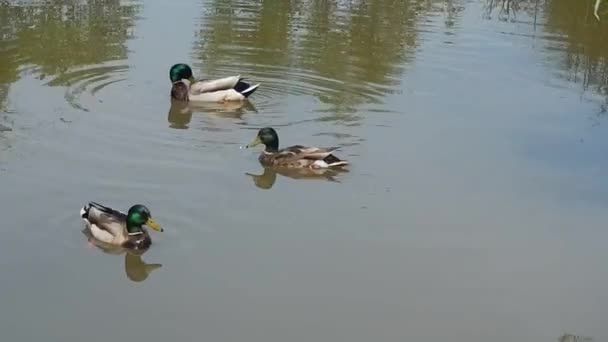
<point>474,209</point>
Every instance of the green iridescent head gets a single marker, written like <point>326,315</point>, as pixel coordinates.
<point>267,136</point>
<point>180,71</point>
<point>138,216</point>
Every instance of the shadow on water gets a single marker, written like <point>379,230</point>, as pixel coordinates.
<point>49,38</point>
<point>180,113</point>
<point>346,54</point>
<point>136,269</point>
<point>267,179</point>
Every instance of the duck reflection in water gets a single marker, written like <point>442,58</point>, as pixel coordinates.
<point>180,113</point>
<point>574,338</point>
<point>136,268</point>
<point>267,179</point>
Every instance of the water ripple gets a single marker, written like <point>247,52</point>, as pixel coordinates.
<point>88,81</point>
<point>75,44</point>
<point>346,55</point>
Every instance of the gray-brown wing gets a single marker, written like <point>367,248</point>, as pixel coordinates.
<point>286,155</point>
<point>205,86</point>
<point>106,218</point>
<point>307,152</point>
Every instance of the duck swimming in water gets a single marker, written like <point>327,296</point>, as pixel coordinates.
<point>186,88</point>
<point>297,156</point>
<point>116,228</point>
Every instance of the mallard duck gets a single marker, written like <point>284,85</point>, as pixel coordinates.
<point>115,228</point>
<point>294,156</point>
<point>186,88</point>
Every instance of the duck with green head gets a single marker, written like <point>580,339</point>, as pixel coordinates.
<point>113,227</point>
<point>186,88</point>
<point>296,156</point>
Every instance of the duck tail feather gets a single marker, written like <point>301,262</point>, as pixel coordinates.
<point>250,90</point>
<point>338,163</point>
<point>84,211</point>
<point>333,161</point>
<point>241,86</point>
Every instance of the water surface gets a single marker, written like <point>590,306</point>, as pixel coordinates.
<point>474,209</point>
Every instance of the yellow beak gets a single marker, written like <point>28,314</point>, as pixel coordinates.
<point>255,142</point>
<point>152,224</point>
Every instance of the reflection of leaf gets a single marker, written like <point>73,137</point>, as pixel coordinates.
<point>344,53</point>
<point>56,35</point>
<point>581,44</point>
<point>585,55</point>
<point>596,9</point>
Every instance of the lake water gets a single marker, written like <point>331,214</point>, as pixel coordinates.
<point>474,208</point>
